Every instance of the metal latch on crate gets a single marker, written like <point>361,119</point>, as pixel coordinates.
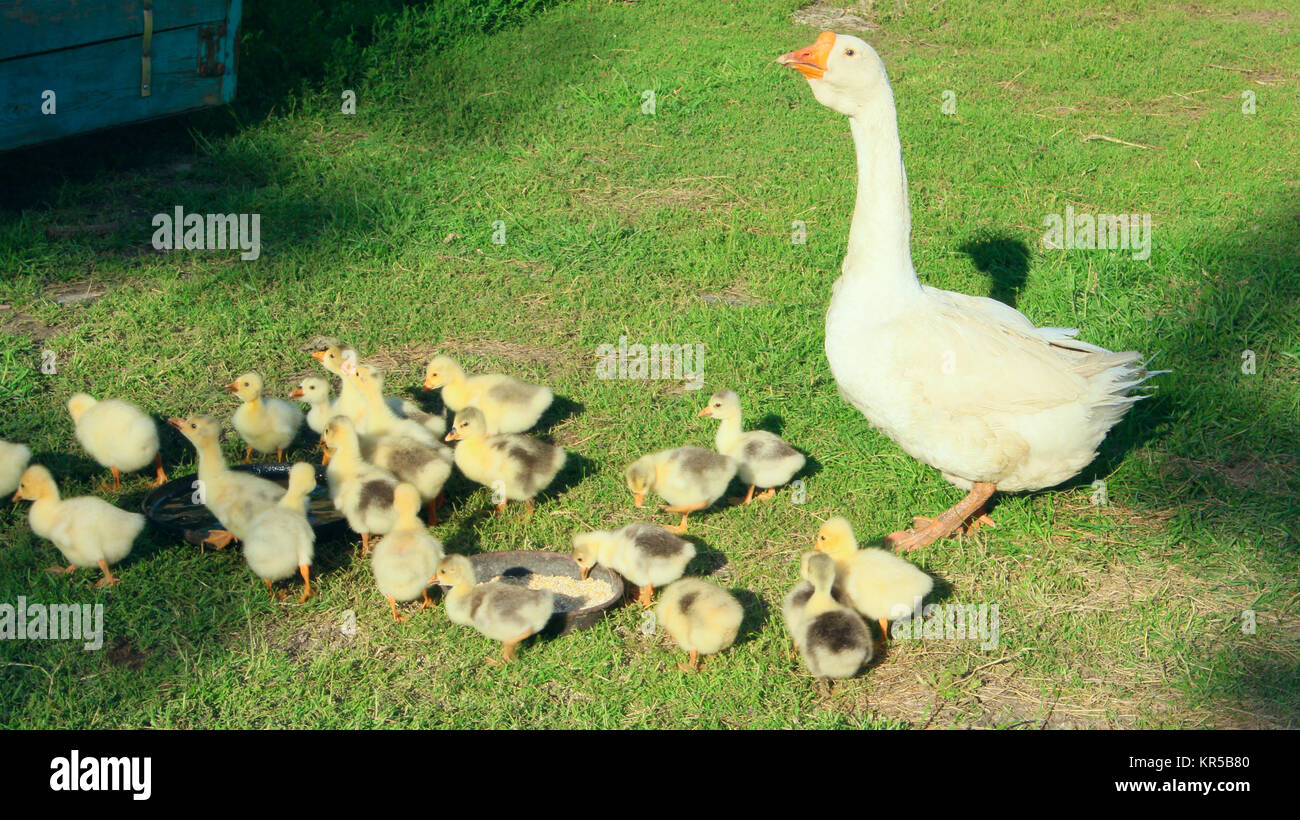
<point>146,60</point>
<point>210,38</point>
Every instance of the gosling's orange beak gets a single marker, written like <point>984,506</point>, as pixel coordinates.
<point>706,413</point>
<point>811,61</point>
<point>18,496</point>
<point>584,571</point>
<point>296,393</point>
<point>177,423</point>
<point>454,435</point>
<point>428,383</point>
<point>319,355</point>
<point>232,387</point>
<point>638,499</point>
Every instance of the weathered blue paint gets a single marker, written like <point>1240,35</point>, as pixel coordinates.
<point>88,52</point>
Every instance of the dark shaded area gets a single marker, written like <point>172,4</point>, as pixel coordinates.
<point>1005,260</point>
<point>287,50</point>
<point>707,560</point>
<point>756,614</point>
<point>562,408</point>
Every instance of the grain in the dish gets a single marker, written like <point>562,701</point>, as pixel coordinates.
<point>571,594</point>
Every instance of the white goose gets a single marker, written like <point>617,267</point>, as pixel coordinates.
<point>962,383</point>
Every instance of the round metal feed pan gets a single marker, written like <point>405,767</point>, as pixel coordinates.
<point>488,565</point>
<point>171,507</point>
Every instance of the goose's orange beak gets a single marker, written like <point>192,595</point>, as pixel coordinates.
<point>811,61</point>
<point>706,413</point>
<point>638,499</point>
<point>428,383</point>
<point>233,387</point>
<point>177,423</point>
<point>18,496</point>
<point>584,571</point>
<point>452,436</point>
<point>319,355</point>
<point>296,393</point>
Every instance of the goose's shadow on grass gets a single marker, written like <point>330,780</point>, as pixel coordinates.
<point>1006,261</point>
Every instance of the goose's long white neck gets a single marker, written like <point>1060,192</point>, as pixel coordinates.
<point>877,273</point>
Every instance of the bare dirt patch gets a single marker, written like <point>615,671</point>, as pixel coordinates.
<point>825,17</point>
<point>733,295</point>
<point>1268,473</point>
<point>17,323</point>
<point>84,291</point>
<point>123,654</point>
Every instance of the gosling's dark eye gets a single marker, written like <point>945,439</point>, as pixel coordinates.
<point>848,52</point>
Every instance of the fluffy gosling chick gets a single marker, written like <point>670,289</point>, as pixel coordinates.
<point>508,404</point>
<point>118,435</point>
<point>502,612</point>
<point>688,478</point>
<point>516,466</point>
<point>267,424</point>
<point>87,530</point>
<point>832,638</point>
<point>13,461</point>
<point>645,554</point>
<point>280,539</point>
<point>879,584</point>
<point>363,492</point>
<point>764,459</point>
<point>406,560</point>
<point>700,617</point>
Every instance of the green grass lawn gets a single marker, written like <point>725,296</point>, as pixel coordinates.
<point>676,228</point>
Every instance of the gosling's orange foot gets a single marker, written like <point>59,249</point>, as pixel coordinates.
<point>766,495</point>
<point>107,582</point>
<point>219,539</point>
<point>56,570</point>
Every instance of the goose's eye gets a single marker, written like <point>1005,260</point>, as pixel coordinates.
<point>194,427</point>
<point>848,52</point>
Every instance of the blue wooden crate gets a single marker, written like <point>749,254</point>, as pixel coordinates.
<point>72,66</point>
